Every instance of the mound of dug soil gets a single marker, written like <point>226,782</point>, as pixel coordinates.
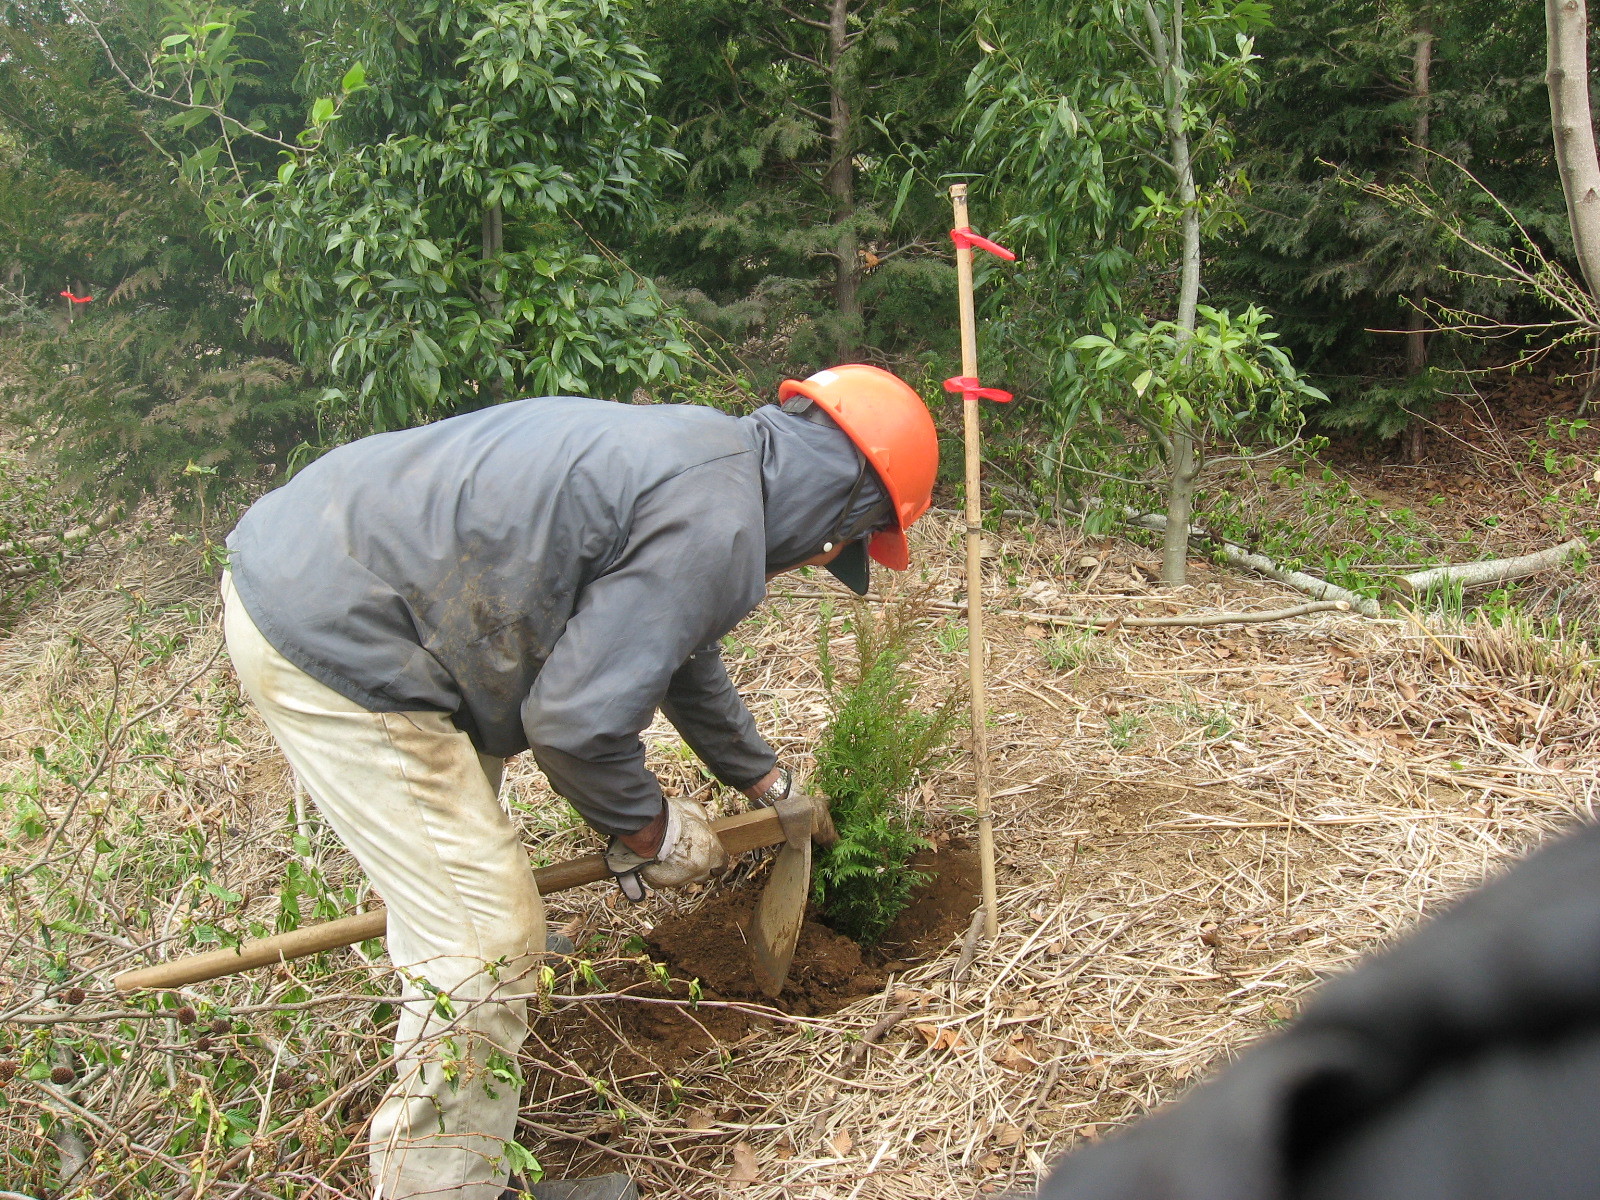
<point>711,944</point>
<point>634,1038</point>
<point>829,970</point>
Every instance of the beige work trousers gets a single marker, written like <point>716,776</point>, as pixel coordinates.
<point>418,807</point>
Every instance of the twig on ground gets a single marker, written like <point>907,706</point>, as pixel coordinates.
<point>1191,620</point>
<point>878,1032</point>
<point>969,946</point>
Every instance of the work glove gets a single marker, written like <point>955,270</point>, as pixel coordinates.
<point>689,852</point>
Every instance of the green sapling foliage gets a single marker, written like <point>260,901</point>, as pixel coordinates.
<point>876,746</point>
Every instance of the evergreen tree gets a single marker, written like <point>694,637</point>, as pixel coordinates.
<point>1368,92</point>
<point>152,383</point>
<point>808,216</point>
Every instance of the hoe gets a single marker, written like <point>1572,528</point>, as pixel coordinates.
<point>793,825</point>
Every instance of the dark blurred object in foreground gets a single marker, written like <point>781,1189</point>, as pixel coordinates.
<point>1464,1064</point>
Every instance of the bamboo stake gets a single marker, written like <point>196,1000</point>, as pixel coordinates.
<point>973,438</point>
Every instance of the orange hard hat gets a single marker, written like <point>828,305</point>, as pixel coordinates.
<point>889,423</point>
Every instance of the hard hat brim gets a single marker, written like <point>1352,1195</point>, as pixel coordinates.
<point>889,546</point>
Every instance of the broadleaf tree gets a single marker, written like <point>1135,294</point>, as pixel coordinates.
<point>436,237</point>
<point>1106,125</point>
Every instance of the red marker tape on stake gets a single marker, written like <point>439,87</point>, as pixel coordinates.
<point>965,239</point>
<point>71,299</point>
<point>968,385</point>
<point>972,390</point>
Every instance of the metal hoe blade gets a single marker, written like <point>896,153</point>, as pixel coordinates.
<point>775,925</point>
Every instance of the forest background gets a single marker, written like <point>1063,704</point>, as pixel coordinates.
<point>1240,227</point>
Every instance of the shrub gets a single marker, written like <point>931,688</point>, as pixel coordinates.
<point>873,751</point>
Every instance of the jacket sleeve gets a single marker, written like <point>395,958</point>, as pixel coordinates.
<point>705,708</point>
<point>690,569</point>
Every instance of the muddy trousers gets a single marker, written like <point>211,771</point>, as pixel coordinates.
<point>417,805</point>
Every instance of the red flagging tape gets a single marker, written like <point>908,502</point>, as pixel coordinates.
<point>965,239</point>
<point>972,390</point>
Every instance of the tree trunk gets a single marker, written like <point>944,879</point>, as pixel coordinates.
<point>494,240</point>
<point>1567,29</point>
<point>494,236</point>
<point>1421,92</point>
<point>1180,503</point>
<point>1184,454</point>
<point>841,182</point>
<point>1416,364</point>
<point>1416,325</point>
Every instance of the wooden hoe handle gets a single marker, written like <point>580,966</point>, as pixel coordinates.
<point>738,833</point>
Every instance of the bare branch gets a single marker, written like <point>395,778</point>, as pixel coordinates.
<point>794,16</point>
<point>919,244</point>
<point>785,48</point>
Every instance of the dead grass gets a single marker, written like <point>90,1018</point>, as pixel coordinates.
<point>1194,826</point>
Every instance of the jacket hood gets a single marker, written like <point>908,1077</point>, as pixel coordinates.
<point>809,468</point>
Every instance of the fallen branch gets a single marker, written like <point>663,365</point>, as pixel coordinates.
<point>1475,574</point>
<point>1246,560</point>
<point>1238,556</point>
<point>1197,619</point>
<point>1249,560</point>
<point>1106,623</point>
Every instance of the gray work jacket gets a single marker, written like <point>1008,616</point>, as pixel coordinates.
<point>550,572</point>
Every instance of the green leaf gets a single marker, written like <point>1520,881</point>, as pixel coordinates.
<point>520,1160</point>
<point>906,181</point>
<point>322,111</point>
<point>185,121</point>
<point>428,383</point>
<point>354,79</point>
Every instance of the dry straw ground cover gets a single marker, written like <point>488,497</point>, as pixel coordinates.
<point>1195,824</point>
